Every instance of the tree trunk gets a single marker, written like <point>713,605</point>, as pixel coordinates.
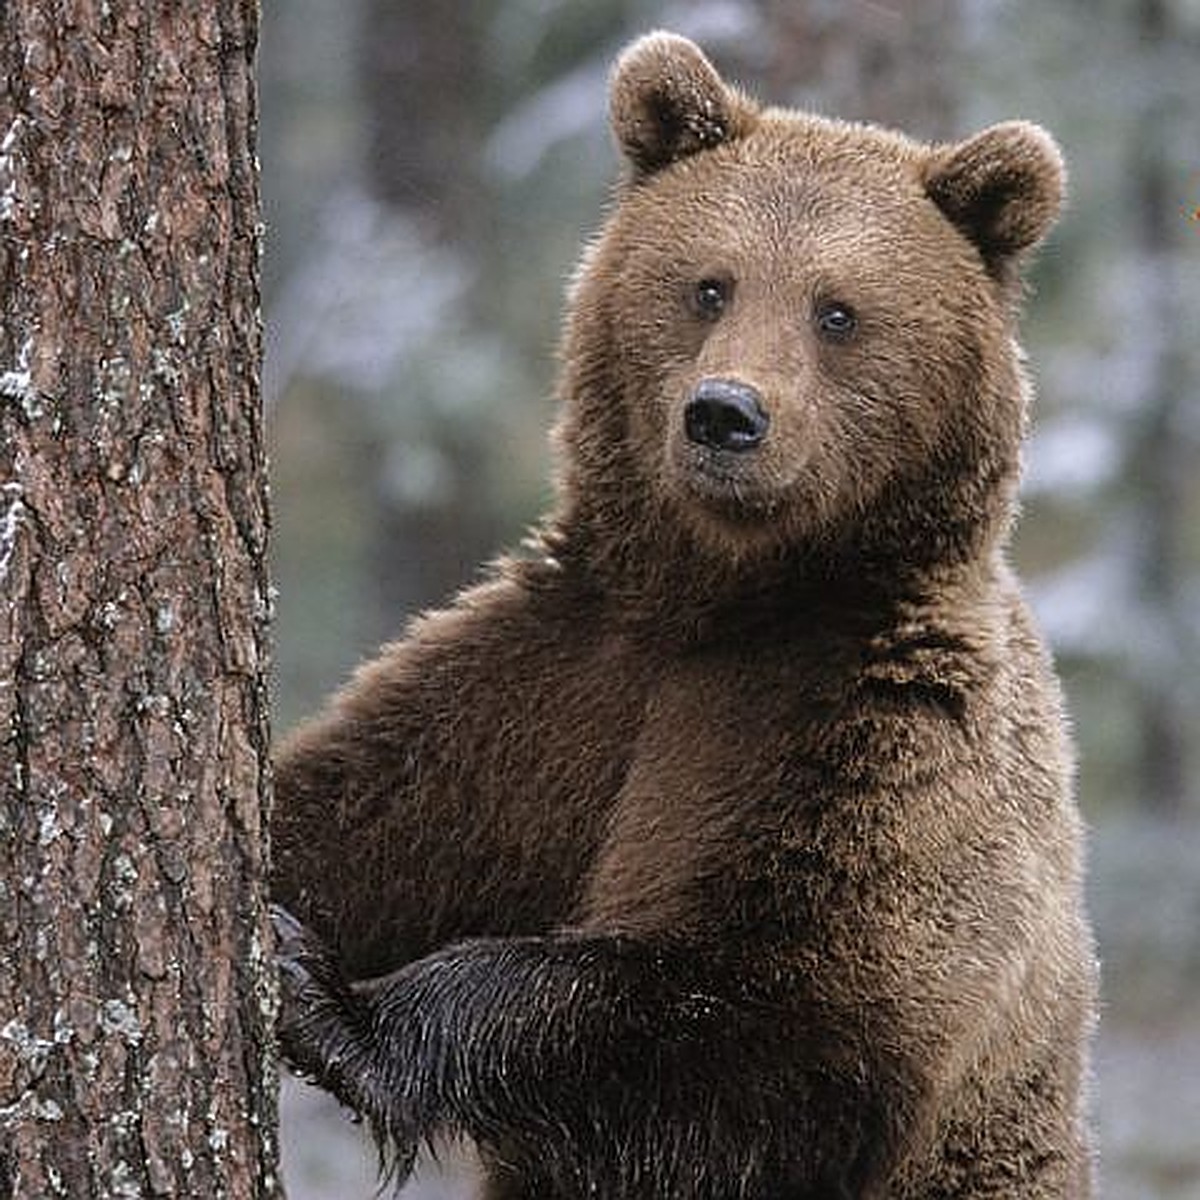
<point>137,991</point>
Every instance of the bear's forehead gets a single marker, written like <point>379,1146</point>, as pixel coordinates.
<point>780,216</point>
<point>835,152</point>
<point>791,177</point>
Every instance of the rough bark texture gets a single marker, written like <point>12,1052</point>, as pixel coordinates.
<point>136,996</point>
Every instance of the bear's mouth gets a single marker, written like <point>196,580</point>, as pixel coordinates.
<point>734,485</point>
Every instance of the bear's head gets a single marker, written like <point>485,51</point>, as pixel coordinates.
<point>793,341</point>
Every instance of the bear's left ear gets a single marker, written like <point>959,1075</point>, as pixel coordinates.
<point>1003,188</point>
<point>666,101</point>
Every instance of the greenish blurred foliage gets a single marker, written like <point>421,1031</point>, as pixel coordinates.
<point>430,175</point>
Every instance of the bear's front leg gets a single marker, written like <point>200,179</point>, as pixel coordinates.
<point>586,1064</point>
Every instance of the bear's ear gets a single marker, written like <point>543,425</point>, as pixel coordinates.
<point>1003,188</point>
<point>666,101</point>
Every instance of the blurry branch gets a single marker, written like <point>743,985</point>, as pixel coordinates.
<point>564,109</point>
<point>571,104</point>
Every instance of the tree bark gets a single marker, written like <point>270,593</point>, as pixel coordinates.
<point>137,992</point>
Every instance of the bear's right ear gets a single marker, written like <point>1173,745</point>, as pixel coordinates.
<point>666,101</point>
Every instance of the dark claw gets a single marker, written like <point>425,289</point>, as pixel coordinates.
<point>287,929</point>
<point>297,975</point>
<point>318,1009</point>
<point>310,972</point>
<point>325,1034</point>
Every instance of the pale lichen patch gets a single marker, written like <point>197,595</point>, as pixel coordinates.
<point>13,506</point>
<point>31,1050</point>
<point>118,1019</point>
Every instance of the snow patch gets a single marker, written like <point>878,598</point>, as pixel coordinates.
<point>10,139</point>
<point>17,384</point>
<point>31,1051</point>
<point>8,196</point>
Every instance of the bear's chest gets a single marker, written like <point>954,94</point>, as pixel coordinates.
<point>820,794</point>
<point>757,786</point>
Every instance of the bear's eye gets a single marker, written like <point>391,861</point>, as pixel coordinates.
<point>836,321</point>
<point>710,296</point>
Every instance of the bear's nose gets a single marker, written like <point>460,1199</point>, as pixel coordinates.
<point>725,415</point>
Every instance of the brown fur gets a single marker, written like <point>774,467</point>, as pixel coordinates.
<point>782,713</point>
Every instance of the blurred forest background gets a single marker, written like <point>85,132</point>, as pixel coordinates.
<point>430,171</point>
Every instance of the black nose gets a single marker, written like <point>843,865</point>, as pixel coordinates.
<point>725,415</point>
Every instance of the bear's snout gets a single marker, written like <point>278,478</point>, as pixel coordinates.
<point>724,414</point>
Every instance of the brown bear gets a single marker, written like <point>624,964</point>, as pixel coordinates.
<point>723,846</point>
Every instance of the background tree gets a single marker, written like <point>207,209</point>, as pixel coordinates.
<point>1166,436</point>
<point>136,994</point>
